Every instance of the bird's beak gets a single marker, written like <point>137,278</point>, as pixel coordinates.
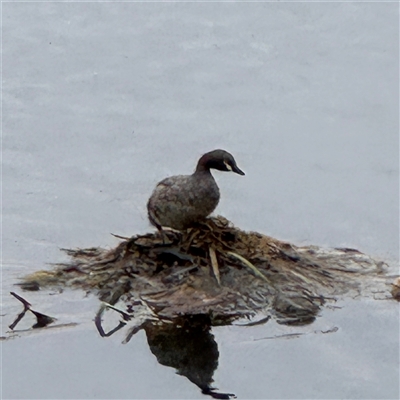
<point>236,169</point>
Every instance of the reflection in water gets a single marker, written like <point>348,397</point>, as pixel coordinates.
<point>184,343</point>
<point>190,348</point>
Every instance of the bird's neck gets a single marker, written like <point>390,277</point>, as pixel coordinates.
<point>203,165</point>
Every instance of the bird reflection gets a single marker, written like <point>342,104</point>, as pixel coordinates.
<point>188,346</point>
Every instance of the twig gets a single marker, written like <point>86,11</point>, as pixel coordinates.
<point>250,265</point>
<point>214,264</point>
<point>120,237</point>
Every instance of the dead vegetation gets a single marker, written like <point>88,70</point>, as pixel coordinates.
<point>217,270</point>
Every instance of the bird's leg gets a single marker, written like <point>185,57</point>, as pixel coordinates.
<point>162,233</point>
<point>154,221</point>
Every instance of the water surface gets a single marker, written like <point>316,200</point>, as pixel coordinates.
<point>102,100</point>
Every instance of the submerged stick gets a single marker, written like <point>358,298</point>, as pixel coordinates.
<point>125,315</point>
<point>42,319</point>
<point>99,326</point>
<point>26,304</point>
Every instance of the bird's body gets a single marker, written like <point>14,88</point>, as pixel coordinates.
<point>180,201</point>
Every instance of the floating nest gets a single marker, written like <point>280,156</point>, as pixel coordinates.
<point>217,270</point>
<point>177,286</point>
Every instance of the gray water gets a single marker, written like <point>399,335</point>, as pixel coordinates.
<point>102,100</point>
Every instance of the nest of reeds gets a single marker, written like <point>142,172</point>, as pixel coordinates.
<point>217,270</point>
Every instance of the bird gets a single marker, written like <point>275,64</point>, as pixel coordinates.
<point>180,201</point>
